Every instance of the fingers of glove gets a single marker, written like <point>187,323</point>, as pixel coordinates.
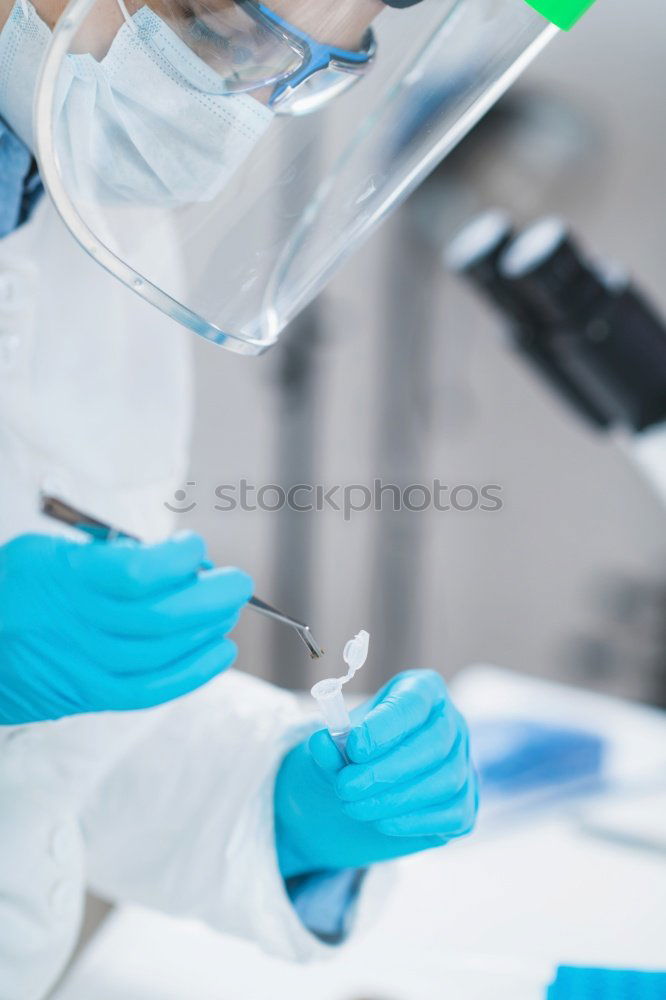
<point>428,791</point>
<point>405,706</point>
<point>127,657</point>
<point>215,594</point>
<point>325,753</point>
<point>454,818</point>
<point>188,675</point>
<point>128,570</point>
<point>420,752</point>
<point>209,600</point>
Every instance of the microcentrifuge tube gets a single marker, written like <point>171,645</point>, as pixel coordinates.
<point>328,693</point>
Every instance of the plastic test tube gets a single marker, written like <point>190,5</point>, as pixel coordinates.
<point>328,695</point>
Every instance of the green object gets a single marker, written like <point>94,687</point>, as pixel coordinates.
<point>563,13</point>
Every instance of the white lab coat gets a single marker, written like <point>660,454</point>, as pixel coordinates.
<point>170,807</point>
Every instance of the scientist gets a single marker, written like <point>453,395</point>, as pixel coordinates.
<point>216,801</point>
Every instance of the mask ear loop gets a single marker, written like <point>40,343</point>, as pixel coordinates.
<point>124,11</point>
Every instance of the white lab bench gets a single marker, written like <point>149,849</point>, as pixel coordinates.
<point>484,919</point>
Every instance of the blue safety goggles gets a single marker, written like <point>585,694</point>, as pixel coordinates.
<point>252,48</point>
<point>324,71</point>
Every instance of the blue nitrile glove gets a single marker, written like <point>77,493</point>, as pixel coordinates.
<point>410,784</point>
<point>110,625</point>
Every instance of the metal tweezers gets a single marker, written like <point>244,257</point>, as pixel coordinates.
<point>58,510</point>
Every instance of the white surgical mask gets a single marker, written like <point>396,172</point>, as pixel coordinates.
<point>137,126</point>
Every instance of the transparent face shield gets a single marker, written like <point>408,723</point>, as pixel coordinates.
<point>223,157</point>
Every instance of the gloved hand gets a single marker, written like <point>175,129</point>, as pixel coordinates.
<point>98,626</point>
<point>410,785</point>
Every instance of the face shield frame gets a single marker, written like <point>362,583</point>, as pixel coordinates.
<point>241,342</point>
